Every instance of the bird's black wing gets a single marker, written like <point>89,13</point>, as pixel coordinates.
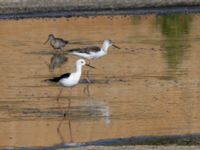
<point>57,79</point>
<point>86,49</point>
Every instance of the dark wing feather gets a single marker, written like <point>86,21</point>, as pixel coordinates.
<point>56,79</point>
<point>86,49</point>
<point>59,39</point>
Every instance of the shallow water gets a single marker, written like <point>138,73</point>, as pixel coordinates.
<point>150,87</point>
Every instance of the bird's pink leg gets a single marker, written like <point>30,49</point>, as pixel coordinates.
<point>59,94</point>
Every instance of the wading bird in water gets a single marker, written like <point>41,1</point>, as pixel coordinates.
<point>93,52</point>
<point>56,43</point>
<point>70,79</point>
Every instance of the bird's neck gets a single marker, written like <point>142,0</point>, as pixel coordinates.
<point>52,40</point>
<point>78,69</point>
<point>105,47</point>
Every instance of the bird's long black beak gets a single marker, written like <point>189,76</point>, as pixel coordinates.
<point>115,46</point>
<point>46,41</point>
<point>90,66</point>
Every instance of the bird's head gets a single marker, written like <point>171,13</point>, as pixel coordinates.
<point>50,37</point>
<point>108,43</point>
<point>82,62</point>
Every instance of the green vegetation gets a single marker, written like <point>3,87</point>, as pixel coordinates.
<point>175,28</point>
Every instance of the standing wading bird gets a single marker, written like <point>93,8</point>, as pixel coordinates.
<point>56,43</point>
<point>93,52</point>
<point>70,79</point>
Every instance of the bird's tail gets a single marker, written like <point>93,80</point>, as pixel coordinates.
<point>66,42</point>
<point>51,80</point>
<point>74,50</point>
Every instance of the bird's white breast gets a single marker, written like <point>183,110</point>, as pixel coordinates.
<point>84,55</point>
<point>97,54</point>
<point>55,43</point>
<point>72,80</point>
<point>91,55</point>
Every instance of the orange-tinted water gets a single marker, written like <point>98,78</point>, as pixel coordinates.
<point>148,87</point>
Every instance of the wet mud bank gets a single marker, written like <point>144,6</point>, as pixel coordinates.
<point>121,143</point>
<point>68,8</point>
<point>97,12</point>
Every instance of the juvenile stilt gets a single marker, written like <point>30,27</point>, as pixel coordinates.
<point>93,52</point>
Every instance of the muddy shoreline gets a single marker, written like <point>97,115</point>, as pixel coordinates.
<point>67,8</point>
<point>153,142</point>
<point>18,6</point>
<point>173,147</point>
<point>96,12</point>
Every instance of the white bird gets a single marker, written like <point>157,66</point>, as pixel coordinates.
<point>93,52</point>
<point>70,79</point>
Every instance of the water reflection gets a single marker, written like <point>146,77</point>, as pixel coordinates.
<point>90,108</point>
<point>97,109</point>
<point>57,60</point>
<point>60,133</point>
<point>68,119</point>
<point>175,28</point>
<point>136,20</point>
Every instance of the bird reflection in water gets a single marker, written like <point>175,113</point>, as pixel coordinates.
<point>89,109</point>
<point>96,109</point>
<point>68,119</point>
<point>57,60</point>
